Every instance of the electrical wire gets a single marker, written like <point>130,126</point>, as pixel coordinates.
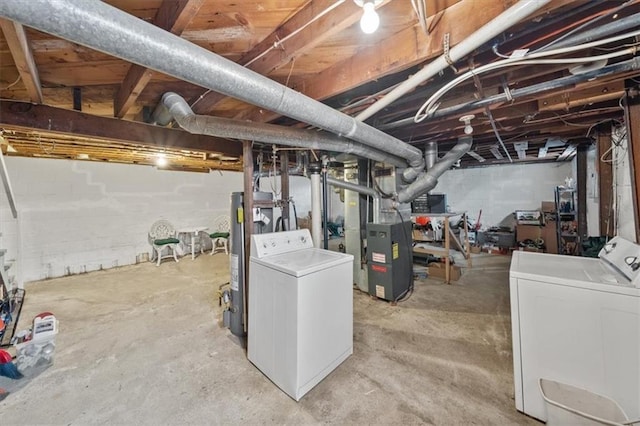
<point>377,187</point>
<point>431,105</point>
<point>495,130</point>
<point>586,24</point>
<point>12,84</point>
<point>420,9</point>
<point>409,291</point>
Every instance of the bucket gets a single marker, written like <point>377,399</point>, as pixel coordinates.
<point>569,405</point>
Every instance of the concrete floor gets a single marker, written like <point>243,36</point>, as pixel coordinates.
<point>143,345</point>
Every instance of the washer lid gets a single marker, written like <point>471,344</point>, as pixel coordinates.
<point>303,262</point>
<point>571,271</point>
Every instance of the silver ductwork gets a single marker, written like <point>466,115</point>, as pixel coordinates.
<point>430,154</point>
<point>268,133</point>
<point>361,190</point>
<point>427,181</point>
<point>107,29</point>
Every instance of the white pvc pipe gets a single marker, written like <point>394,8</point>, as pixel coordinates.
<point>316,213</point>
<point>500,23</point>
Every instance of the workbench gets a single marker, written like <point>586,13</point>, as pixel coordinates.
<point>448,238</point>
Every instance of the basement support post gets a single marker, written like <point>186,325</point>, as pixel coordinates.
<point>247,165</point>
<point>605,184</point>
<point>633,142</point>
<point>581,160</point>
<point>284,185</point>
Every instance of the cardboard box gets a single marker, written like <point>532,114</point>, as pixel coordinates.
<point>550,236</point>
<point>419,235</point>
<point>528,232</point>
<point>437,270</point>
<point>548,206</point>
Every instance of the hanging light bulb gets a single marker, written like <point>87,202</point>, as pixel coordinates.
<point>370,20</point>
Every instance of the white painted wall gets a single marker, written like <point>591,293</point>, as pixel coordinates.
<point>501,190</point>
<point>79,216</point>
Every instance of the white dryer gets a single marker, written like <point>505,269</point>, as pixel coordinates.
<point>300,325</point>
<point>576,320</point>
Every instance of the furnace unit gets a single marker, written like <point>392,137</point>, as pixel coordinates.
<point>389,259</point>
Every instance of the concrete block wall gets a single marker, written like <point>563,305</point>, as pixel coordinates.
<point>500,190</point>
<point>76,216</point>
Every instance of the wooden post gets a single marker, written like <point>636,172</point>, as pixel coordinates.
<point>605,185</point>
<point>633,142</point>
<point>247,164</point>
<point>447,262</point>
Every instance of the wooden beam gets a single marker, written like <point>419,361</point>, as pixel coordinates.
<point>605,185</point>
<point>40,117</point>
<point>263,58</point>
<point>396,53</point>
<point>23,57</point>
<point>633,142</point>
<point>173,16</point>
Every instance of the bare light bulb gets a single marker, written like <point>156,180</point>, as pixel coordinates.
<point>370,20</point>
<point>161,160</point>
<point>466,119</point>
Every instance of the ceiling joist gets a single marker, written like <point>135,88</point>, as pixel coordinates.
<point>20,49</point>
<point>172,16</point>
<point>310,26</point>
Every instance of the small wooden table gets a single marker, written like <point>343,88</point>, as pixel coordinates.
<point>449,236</point>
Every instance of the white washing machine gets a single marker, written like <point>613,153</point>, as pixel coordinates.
<point>576,320</point>
<point>300,310</point>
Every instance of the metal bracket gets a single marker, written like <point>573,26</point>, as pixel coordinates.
<point>446,47</point>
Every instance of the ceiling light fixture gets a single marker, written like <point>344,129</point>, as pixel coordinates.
<point>161,160</point>
<point>466,119</point>
<point>370,20</point>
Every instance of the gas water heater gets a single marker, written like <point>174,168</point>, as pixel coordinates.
<point>234,315</point>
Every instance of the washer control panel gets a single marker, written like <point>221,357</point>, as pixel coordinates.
<point>280,242</point>
<point>624,256</point>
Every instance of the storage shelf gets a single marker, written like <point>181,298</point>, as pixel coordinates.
<point>567,221</point>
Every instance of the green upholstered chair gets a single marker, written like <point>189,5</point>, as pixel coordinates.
<point>220,235</point>
<point>163,236</point>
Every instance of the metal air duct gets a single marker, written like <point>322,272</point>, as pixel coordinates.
<point>361,190</point>
<point>105,28</point>
<point>427,181</point>
<point>268,133</point>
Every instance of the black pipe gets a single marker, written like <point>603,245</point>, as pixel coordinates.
<point>325,229</point>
